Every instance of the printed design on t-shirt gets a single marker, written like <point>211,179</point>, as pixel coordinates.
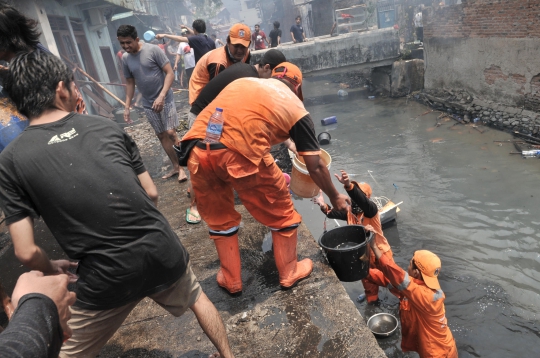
<point>59,138</point>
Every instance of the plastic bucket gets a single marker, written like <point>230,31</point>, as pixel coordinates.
<point>301,183</point>
<point>329,120</point>
<point>324,138</point>
<point>347,250</point>
<point>149,36</point>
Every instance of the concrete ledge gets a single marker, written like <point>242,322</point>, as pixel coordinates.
<point>316,319</point>
<point>326,52</point>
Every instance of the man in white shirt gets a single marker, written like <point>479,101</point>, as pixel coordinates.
<point>189,62</point>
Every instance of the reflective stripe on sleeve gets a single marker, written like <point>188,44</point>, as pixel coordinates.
<point>293,226</point>
<point>437,295</point>
<point>405,283</point>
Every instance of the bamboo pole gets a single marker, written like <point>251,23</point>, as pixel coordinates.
<point>96,82</point>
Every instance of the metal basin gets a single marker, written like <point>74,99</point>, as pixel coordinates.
<point>382,324</point>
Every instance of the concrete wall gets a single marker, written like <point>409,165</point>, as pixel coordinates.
<point>488,47</point>
<point>349,49</point>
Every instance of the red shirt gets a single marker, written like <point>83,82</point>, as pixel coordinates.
<point>258,38</point>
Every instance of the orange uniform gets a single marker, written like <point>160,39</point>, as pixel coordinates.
<point>208,67</point>
<point>423,322</point>
<point>258,113</point>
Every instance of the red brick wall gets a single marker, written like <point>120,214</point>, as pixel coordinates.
<point>484,18</point>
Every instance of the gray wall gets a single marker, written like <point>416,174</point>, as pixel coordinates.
<point>498,69</point>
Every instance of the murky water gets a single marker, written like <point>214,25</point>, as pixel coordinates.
<point>464,197</point>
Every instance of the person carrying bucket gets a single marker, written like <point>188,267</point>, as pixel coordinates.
<point>258,113</point>
<point>363,212</point>
<point>424,327</point>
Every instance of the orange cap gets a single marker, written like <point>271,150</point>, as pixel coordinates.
<point>429,265</point>
<point>292,74</point>
<point>240,34</point>
<point>365,187</point>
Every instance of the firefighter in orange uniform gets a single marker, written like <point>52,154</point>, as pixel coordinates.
<point>215,61</point>
<point>258,113</point>
<point>363,212</point>
<point>424,327</point>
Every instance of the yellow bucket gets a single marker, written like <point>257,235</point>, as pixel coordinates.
<point>301,183</point>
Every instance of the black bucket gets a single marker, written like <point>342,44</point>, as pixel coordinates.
<point>324,138</point>
<point>347,250</point>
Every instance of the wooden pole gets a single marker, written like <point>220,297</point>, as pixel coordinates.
<point>96,82</point>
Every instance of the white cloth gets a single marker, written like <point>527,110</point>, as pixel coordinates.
<point>189,58</point>
<point>418,20</point>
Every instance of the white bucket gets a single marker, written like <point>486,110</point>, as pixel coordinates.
<point>301,183</point>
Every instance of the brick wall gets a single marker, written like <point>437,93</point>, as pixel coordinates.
<point>485,18</point>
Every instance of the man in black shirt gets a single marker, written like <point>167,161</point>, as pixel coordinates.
<point>263,69</point>
<point>275,35</point>
<point>85,177</point>
<point>199,41</point>
<point>297,31</point>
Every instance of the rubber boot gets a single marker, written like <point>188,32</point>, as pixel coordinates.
<point>290,270</point>
<point>229,275</point>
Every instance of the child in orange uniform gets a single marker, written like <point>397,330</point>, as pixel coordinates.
<point>364,212</point>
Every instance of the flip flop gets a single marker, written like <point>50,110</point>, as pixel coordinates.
<point>188,213</point>
<point>168,176</point>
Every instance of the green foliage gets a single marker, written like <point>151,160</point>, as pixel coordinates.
<point>206,9</point>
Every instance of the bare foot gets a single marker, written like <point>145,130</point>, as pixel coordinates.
<point>215,355</point>
<point>182,177</point>
<point>170,174</point>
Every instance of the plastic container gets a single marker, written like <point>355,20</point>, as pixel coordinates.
<point>531,153</point>
<point>324,138</point>
<point>149,36</point>
<point>347,250</point>
<point>215,127</point>
<point>476,120</point>
<point>119,117</point>
<point>301,183</point>
<point>329,120</point>
<point>342,93</point>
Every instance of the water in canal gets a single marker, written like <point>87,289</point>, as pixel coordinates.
<point>464,198</point>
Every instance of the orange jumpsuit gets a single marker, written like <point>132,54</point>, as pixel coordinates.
<point>246,166</point>
<point>423,322</point>
<point>208,67</point>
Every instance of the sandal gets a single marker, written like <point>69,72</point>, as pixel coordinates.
<point>189,213</point>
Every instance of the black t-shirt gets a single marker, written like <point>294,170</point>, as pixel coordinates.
<point>274,34</point>
<point>218,83</point>
<point>298,32</point>
<point>201,44</point>
<point>303,135</point>
<point>80,175</point>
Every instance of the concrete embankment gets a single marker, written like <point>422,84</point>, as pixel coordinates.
<point>315,319</point>
<point>372,48</point>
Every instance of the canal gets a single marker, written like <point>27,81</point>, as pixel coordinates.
<point>464,198</point>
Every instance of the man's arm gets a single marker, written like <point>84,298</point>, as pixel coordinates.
<point>158,104</point>
<point>321,176</point>
<point>176,62</point>
<point>39,324</point>
<point>172,37</point>
<point>149,186</point>
<point>279,40</point>
<point>130,91</point>
<point>31,255</point>
<point>292,35</point>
